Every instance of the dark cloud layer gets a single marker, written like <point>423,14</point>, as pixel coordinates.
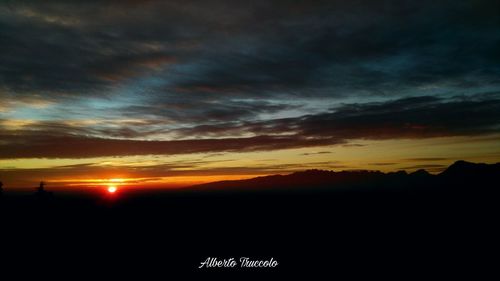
<point>309,48</point>
<point>417,117</point>
<point>210,76</point>
<point>420,117</point>
<point>81,147</point>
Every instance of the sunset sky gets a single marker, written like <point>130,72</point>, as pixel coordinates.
<point>170,93</point>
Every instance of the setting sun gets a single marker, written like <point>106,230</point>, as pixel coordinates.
<point>112,189</point>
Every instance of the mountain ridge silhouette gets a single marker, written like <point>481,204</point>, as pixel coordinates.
<point>458,176</point>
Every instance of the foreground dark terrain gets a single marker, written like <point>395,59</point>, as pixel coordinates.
<point>347,225</point>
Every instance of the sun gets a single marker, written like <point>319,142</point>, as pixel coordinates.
<point>111,189</point>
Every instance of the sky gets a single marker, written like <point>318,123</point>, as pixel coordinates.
<point>171,93</point>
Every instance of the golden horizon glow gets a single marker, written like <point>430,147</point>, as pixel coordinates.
<point>179,181</point>
<point>174,171</point>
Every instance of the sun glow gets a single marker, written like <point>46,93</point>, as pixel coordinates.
<point>111,189</point>
<point>116,180</point>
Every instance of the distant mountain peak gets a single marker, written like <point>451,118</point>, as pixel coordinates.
<point>462,163</point>
<point>420,172</point>
<point>457,176</point>
<point>461,168</point>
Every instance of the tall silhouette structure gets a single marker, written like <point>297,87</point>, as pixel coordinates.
<point>40,191</point>
<point>41,187</point>
<point>1,188</point>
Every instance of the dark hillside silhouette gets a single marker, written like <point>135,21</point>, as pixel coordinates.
<point>463,169</point>
<point>461,176</point>
<point>345,223</point>
<point>472,177</point>
<point>309,178</point>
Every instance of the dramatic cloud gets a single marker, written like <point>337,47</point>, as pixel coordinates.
<point>419,117</point>
<point>227,49</point>
<point>82,79</point>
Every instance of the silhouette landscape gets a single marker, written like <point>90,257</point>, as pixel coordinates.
<point>139,138</point>
<point>336,213</point>
<point>461,176</point>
